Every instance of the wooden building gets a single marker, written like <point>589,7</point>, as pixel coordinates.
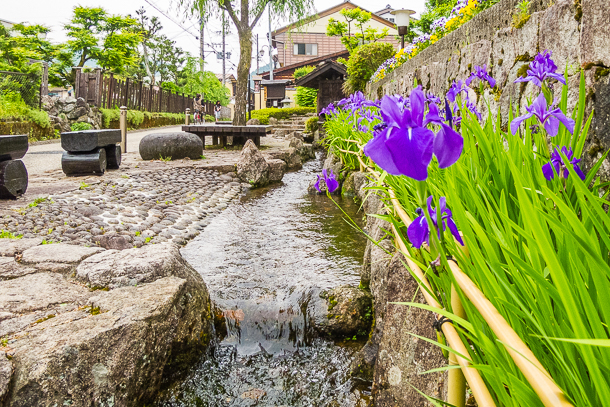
<point>328,79</point>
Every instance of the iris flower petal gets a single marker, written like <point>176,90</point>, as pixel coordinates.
<point>448,146</point>
<point>411,153</point>
<point>377,151</point>
<point>551,125</point>
<point>433,115</point>
<point>514,125</point>
<point>417,100</point>
<point>418,232</point>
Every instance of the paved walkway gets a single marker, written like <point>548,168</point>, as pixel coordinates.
<point>43,162</point>
<point>42,158</point>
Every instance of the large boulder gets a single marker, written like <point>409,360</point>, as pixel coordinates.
<point>177,145</point>
<point>100,346</point>
<point>290,156</point>
<point>116,268</point>
<point>277,169</point>
<point>345,312</point>
<point>253,122</point>
<point>252,167</point>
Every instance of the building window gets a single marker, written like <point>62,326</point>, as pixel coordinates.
<point>391,19</point>
<point>305,49</point>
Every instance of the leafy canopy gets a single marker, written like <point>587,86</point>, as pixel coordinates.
<point>354,30</point>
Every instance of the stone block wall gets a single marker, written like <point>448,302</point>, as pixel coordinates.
<point>576,31</point>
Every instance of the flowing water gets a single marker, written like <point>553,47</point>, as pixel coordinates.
<point>264,259</point>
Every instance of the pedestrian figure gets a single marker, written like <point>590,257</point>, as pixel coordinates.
<point>198,109</point>
<point>217,108</point>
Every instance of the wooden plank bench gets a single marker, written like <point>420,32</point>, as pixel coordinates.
<point>13,174</point>
<point>219,134</point>
<point>90,151</point>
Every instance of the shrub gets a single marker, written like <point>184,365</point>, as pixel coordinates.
<point>363,63</point>
<point>135,117</point>
<point>263,115</point>
<point>305,97</point>
<point>311,125</point>
<point>12,106</point>
<point>80,126</point>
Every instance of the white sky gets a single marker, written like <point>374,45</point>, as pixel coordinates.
<point>56,13</point>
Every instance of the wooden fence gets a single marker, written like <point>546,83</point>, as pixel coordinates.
<point>108,92</point>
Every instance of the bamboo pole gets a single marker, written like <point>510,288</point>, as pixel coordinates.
<point>477,385</point>
<point>544,386</point>
<point>550,394</point>
<point>456,394</point>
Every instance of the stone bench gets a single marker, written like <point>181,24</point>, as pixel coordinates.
<point>13,174</point>
<point>220,133</point>
<point>90,151</point>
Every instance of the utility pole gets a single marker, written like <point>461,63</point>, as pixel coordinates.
<point>257,54</point>
<point>224,54</point>
<point>201,42</point>
<point>270,47</point>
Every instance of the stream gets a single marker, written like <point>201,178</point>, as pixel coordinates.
<point>263,260</point>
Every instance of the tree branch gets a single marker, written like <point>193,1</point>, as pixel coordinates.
<point>260,14</point>
<point>227,6</point>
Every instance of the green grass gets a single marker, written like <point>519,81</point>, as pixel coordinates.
<point>84,185</point>
<point>38,201</point>
<point>5,234</point>
<point>539,251</point>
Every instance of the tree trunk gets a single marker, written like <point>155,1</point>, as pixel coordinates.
<point>243,69</point>
<point>147,65</point>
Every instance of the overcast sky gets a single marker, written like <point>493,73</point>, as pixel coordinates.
<point>56,13</point>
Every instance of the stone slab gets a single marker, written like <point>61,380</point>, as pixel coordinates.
<point>11,247</point>
<point>13,147</point>
<point>58,253</point>
<point>88,140</point>
<point>38,292</point>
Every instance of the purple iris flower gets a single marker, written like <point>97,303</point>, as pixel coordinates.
<point>419,231</point>
<point>432,98</point>
<point>550,118</point>
<point>481,73</point>
<point>328,110</point>
<point>557,167</point>
<point>541,68</point>
<point>455,90</point>
<point>473,108</point>
<point>406,146</point>
<point>331,182</point>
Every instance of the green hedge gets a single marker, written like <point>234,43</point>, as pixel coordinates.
<point>312,125</point>
<point>135,118</point>
<point>263,115</point>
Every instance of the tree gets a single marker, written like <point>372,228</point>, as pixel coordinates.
<point>149,29</point>
<point>192,81</point>
<point>305,97</point>
<point>22,44</point>
<point>353,31</point>
<point>245,14</point>
<point>110,40</point>
<point>434,10</point>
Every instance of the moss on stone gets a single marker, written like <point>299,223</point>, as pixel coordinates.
<point>524,58</point>
<point>595,150</point>
<point>45,318</point>
<point>600,72</point>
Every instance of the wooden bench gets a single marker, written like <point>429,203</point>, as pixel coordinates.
<point>90,151</point>
<point>13,174</point>
<point>219,134</point>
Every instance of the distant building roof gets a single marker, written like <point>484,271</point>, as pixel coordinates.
<point>346,4</point>
<point>288,70</point>
<point>387,9</point>
<point>228,77</point>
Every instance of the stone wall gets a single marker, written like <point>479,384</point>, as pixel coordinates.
<point>393,358</point>
<point>576,31</point>
<point>63,112</point>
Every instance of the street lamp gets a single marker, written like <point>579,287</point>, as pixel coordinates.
<point>403,18</point>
